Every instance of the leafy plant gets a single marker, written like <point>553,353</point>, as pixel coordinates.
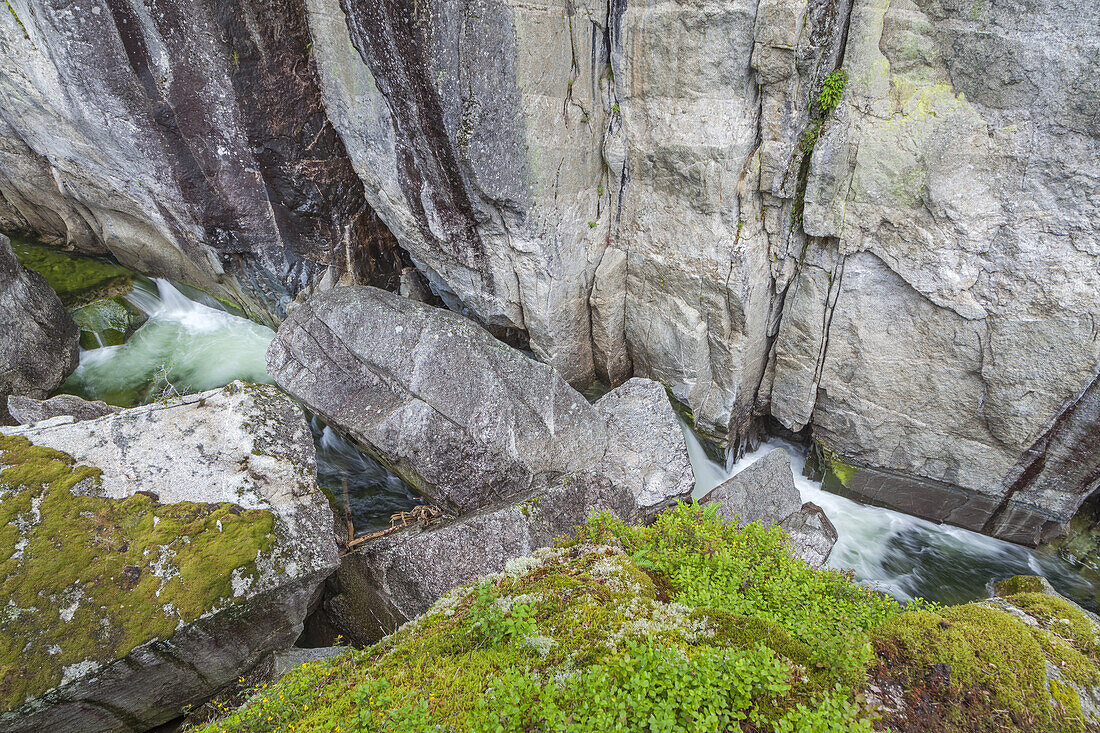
<point>831,91</point>
<point>496,625</point>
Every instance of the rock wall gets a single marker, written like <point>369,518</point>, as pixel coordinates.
<point>188,140</point>
<point>647,188</point>
<point>941,331</point>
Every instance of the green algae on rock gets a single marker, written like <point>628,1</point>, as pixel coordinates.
<point>89,578</point>
<point>77,279</point>
<point>106,322</point>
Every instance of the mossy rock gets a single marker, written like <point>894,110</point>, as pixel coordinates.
<point>77,279</point>
<point>87,579</point>
<point>1027,661</point>
<point>107,322</point>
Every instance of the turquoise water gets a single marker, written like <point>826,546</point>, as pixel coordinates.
<point>903,555</point>
<point>186,347</point>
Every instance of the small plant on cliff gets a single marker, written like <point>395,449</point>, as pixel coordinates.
<point>831,91</point>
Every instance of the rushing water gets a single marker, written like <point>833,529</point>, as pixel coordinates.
<point>187,347</point>
<point>903,555</point>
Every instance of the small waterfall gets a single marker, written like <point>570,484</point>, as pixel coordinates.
<point>900,554</point>
<point>184,347</point>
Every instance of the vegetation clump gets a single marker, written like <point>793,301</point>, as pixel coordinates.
<point>690,624</point>
<point>86,579</point>
<point>686,625</point>
<point>832,91</point>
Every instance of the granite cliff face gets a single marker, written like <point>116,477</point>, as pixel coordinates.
<point>631,188</point>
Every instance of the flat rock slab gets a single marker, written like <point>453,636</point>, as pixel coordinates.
<point>462,417</point>
<point>27,410</point>
<point>158,553</point>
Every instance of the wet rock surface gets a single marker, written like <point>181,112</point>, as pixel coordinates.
<point>38,338</point>
<point>189,540</point>
<point>765,492</point>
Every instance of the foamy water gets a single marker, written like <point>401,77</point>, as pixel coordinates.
<point>900,554</point>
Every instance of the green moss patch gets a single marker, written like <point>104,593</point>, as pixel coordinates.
<point>980,668</point>
<point>582,638</point>
<point>690,624</point>
<point>77,279</point>
<point>86,579</point>
<point>107,322</point>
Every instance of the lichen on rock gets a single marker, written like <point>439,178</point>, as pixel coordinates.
<point>88,578</point>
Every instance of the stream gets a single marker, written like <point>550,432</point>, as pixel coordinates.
<point>189,346</point>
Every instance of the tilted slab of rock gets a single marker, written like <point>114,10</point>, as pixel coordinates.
<point>38,338</point>
<point>645,469</point>
<point>27,410</point>
<point>460,416</point>
<point>765,492</point>
<point>154,555</point>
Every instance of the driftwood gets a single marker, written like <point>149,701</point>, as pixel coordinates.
<point>424,514</point>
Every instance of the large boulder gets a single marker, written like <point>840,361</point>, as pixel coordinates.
<point>644,470</point>
<point>765,492</point>
<point>462,417</point>
<point>38,338</point>
<point>153,556</point>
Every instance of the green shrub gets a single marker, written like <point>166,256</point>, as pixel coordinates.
<point>831,91</point>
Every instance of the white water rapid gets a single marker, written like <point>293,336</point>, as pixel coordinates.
<point>903,555</point>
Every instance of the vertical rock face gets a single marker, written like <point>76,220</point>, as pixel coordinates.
<point>189,140</point>
<point>941,333</point>
<point>38,338</point>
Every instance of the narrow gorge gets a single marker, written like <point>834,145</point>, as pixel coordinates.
<point>516,263</point>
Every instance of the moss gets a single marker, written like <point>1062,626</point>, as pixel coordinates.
<point>838,468</point>
<point>990,657</point>
<point>1061,617</point>
<point>1020,584</point>
<point>89,578</point>
<point>1068,703</point>
<point>76,279</point>
<point>106,322</point>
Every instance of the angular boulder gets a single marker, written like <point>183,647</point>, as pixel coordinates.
<point>27,410</point>
<point>462,417</point>
<point>644,470</point>
<point>765,492</point>
<point>812,533</point>
<point>154,555</point>
<point>38,338</point>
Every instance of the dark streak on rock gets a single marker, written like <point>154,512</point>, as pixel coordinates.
<point>390,36</point>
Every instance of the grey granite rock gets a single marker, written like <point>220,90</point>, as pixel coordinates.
<point>812,533</point>
<point>765,492</point>
<point>189,140</point>
<point>643,470</point>
<point>462,417</point>
<point>242,452</point>
<point>26,410</point>
<point>38,338</point>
